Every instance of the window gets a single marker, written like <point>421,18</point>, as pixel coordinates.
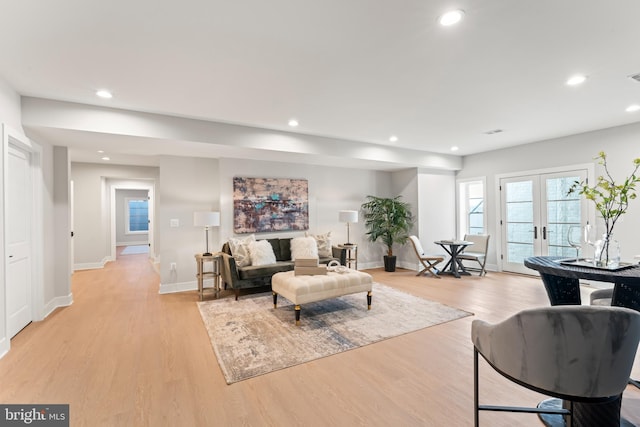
<point>137,215</point>
<point>471,207</point>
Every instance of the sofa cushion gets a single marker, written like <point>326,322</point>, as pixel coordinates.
<point>324,244</point>
<point>285,249</point>
<point>240,250</point>
<point>260,271</point>
<point>304,247</point>
<point>261,253</point>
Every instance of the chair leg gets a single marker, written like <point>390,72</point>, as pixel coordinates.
<point>430,268</point>
<point>476,411</point>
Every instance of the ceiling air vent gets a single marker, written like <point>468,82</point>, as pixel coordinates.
<point>635,77</point>
<point>493,132</point>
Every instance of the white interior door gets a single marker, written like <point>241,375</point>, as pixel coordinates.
<point>19,280</point>
<point>537,213</point>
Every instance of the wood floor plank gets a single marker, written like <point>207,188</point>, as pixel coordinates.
<point>123,355</point>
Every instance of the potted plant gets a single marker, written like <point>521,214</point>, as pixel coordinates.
<point>387,219</point>
<point>611,200</point>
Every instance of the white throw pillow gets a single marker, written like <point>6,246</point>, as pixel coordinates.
<point>303,247</point>
<point>324,244</point>
<point>240,250</point>
<point>261,253</point>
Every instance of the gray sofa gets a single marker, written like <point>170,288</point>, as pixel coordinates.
<point>238,278</point>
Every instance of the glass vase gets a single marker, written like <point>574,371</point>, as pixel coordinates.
<point>607,252</point>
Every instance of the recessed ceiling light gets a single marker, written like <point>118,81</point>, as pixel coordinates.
<point>454,148</point>
<point>450,18</point>
<point>105,158</point>
<point>633,108</point>
<point>293,123</point>
<point>576,80</point>
<point>100,151</point>
<point>104,94</point>
<point>393,138</point>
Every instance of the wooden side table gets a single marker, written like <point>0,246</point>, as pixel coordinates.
<point>203,274</point>
<point>351,260</point>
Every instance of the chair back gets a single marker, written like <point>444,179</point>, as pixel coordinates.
<point>480,243</point>
<point>572,352</point>
<point>417,246</point>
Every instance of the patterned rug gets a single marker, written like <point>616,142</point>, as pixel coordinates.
<point>250,338</point>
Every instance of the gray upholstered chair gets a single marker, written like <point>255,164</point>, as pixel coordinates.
<point>582,354</point>
<point>429,262</point>
<point>476,252</point>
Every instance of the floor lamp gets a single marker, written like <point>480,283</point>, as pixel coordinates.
<point>206,220</point>
<point>350,217</point>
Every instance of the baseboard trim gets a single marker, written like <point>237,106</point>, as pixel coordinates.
<point>56,303</point>
<point>92,265</point>
<point>170,288</point>
<point>4,347</point>
<point>137,243</point>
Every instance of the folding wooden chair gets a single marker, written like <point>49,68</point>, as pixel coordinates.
<point>477,252</point>
<point>428,261</point>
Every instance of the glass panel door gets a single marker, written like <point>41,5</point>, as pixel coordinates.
<point>537,214</point>
<point>562,211</point>
<point>520,223</point>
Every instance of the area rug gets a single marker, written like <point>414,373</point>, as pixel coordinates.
<point>135,249</point>
<point>251,338</point>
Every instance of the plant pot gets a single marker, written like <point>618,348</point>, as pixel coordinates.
<point>390,263</point>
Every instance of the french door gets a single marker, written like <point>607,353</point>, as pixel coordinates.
<point>537,214</point>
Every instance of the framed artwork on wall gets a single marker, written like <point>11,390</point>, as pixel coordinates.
<point>270,204</point>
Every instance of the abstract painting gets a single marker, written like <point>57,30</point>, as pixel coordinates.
<point>270,204</point>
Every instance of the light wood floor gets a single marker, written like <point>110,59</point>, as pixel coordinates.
<point>123,355</point>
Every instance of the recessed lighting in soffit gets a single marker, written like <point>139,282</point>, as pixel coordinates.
<point>451,18</point>
<point>293,123</point>
<point>393,138</point>
<point>576,80</point>
<point>633,108</point>
<point>105,94</point>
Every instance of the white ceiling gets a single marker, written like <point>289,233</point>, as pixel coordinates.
<point>358,70</point>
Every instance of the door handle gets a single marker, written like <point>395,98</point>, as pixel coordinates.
<point>535,231</point>
<point>544,233</point>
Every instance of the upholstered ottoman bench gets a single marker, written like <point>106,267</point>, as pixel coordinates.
<point>305,289</point>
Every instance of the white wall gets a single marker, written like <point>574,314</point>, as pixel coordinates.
<point>59,250</point>
<point>431,195</point>
<point>622,145</point>
<point>10,108</point>
<point>436,209</point>
<point>187,185</point>
<point>330,190</point>
<point>122,237</point>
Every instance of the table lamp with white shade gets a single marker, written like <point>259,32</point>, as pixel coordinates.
<point>206,220</point>
<point>350,217</point>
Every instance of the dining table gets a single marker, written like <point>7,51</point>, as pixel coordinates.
<point>561,278</point>
<point>454,248</point>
